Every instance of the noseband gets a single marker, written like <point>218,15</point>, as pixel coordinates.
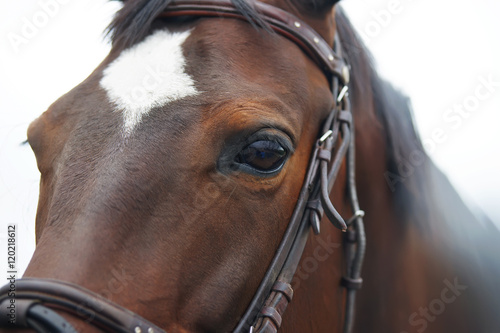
<point>36,299</point>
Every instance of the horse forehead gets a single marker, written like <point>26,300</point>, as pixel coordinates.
<point>220,62</point>
<point>231,59</point>
<point>148,75</point>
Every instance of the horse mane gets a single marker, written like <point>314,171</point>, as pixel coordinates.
<point>421,191</point>
<point>424,197</point>
<point>393,111</point>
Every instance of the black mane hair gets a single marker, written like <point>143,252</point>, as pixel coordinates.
<point>393,111</point>
<point>420,190</point>
<point>133,22</point>
<point>423,196</point>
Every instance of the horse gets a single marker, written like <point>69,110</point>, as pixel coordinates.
<point>181,179</point>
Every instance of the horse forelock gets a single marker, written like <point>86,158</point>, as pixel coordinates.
<point>134,21</point>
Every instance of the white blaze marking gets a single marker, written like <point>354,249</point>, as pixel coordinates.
<point>148,75</point>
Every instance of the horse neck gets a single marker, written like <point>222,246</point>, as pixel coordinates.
<point>393,251</point>
<point>411,259</point>
<point>405,267</point>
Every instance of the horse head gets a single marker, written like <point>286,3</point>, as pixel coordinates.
<point>169,176</point>
<point>180,180</point>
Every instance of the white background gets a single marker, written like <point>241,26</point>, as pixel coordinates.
<point>435,51</point>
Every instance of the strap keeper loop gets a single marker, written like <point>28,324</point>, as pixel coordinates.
<point>351,284</point>
<point>314,205</point>
<point>345,116</point>
<point>325,155</point>
<point>284,288</point>
<point>272,313</point>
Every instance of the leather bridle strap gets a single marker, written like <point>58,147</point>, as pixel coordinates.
<point>335,145</point>
<point>35,300</point>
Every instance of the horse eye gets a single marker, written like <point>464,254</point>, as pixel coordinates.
<point>264,156</point>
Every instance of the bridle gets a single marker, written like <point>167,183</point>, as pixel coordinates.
<point>36,299</point>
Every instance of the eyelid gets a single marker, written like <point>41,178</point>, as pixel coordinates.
<point>226,163</point>
<point>272,134</point>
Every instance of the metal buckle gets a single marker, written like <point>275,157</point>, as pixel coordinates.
<point>342,94</point>
<point>358,213</point>
<point>325,136</point>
